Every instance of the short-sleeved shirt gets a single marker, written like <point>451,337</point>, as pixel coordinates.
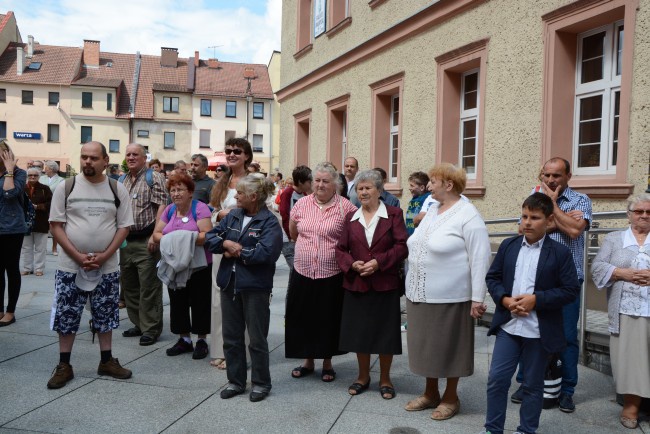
<point>571,200</point>
<point>145,200</point>
<point>202,189</point>
<point>318,233</point>
<point>91,219</point>
<point>415,205</point>
<point>176,223</point>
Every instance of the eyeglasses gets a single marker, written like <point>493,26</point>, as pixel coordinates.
<point>177,190</point>
<point>640,212</point>
<point>35,176</point>
<point>235,151</point>
<point>219,169</point>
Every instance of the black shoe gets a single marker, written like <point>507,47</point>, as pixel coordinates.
<point>230,391</point>
<point>566,403</point>
<point>147,340</point>
<point>180,347</point>
<point>200,350</point>
<point>258,394</point>
<point>518,396</point>
<point>132,332</point>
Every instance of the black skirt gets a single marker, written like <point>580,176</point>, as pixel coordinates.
<point>371,322</point>
<point>313,317</point>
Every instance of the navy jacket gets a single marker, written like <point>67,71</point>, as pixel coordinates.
<point>556,284</point>
<point>261,244</point>
<point>12,215</point>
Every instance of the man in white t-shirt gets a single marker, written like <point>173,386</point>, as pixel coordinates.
<point>90,217</point>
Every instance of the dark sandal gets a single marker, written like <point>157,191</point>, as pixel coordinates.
<point>358,388</point>
<point>328,372</point>
<point>301,371</point>
<point>387,390</point>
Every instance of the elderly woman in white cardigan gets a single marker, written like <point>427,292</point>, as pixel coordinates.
<point>449,256</point>
<point>622,265</point>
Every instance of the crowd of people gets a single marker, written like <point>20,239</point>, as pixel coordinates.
<point>352,253</point>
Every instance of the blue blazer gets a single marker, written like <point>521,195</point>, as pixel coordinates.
<point>556,284</point>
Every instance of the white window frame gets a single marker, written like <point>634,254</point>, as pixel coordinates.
<point>205,134</point>
<point>607,87</point>
<point>469,115</point>
<point>257,137</point>
<point>394,132</point>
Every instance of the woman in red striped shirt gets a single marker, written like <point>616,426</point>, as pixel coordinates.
<point>315,297</point>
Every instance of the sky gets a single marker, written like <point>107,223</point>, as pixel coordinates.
<point>242,30</point>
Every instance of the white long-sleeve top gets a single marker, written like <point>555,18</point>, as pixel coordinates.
<point>449,256</point>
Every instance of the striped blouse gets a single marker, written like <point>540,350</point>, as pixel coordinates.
<point>318,233</point>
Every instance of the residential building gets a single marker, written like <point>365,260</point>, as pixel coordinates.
<point>491,86</point>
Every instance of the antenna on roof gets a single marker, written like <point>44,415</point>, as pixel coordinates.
<point>214,50</point>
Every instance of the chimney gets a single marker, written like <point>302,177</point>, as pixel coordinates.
<point>30,46</point>
<point>169,57</point>
<point>91,53</point>
<point>249,72</point>
<point>20,60</point>
<point>213,63</point>
<point>196,59</point>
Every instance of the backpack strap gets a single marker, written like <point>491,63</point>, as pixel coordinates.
<point>113,185</point>
<point>69,186</point>
<point>170,213</point>
<point>194,204</point>
<point>148,176</point>
<point>172,210</point>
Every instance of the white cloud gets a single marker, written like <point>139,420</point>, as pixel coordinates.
<point>245,35</point>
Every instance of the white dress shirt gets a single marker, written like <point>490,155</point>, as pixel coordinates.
<point>372,224</point>
<point>524,283</point>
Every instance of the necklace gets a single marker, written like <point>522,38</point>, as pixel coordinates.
<point>322,204</point>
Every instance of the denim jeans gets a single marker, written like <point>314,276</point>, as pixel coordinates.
<point>508,351</point>
<point>246,310</point>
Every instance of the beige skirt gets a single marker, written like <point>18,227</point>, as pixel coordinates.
<point>440,339</point>
<point>630,356</point>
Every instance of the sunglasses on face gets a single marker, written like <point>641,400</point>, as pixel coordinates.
<point>640,212</point>
<point>219,170</point>
<point>235,151</point>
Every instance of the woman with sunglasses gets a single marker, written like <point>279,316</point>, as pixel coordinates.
<point>239,156</point>
<point>622,265</point>
<point>220,172</point>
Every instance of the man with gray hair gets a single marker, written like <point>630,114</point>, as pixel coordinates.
<point>202,182</point>
<point>138,259</point>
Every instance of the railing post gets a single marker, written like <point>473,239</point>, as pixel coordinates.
<point>583,301</point>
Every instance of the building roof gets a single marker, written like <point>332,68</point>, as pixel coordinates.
<point>59,65</point>
<point>164,78</point>
<point>228,80</point>
<point>115,70</point>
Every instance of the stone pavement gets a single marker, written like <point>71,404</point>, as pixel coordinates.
<point>181,395</point>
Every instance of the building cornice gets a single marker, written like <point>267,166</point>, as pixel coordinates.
<point>421,21</point>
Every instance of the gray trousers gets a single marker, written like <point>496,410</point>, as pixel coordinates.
<point>246,310</point>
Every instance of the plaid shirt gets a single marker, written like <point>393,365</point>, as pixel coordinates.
<point>144,200</point>
<point>571,200</point>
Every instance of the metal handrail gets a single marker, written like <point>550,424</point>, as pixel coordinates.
<point>596,229</point>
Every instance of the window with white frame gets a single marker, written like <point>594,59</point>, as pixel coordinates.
<point>597,103</point>
<point>170,104</point>
<point>393,157</point>
<point>204,138</point>
<point>258,143</point>
<point>469,122</point>
<point>169,140</point>
<point>206,107</point>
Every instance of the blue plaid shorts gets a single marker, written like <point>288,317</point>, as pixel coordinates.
<point>69,302</point>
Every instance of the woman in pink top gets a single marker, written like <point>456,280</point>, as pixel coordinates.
<point>315,296</point>
<point>182,214</point>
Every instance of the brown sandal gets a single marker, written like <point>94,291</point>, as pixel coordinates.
<point>219,363</point>
<point>445,411</point>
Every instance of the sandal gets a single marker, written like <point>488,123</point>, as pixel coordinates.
<point>421,403</point>
<point>358,388</point>
<point>301,371</point>
<point>218,363</point>
<point>328,373</point>
<point>445,411</point>
<point>38,273</point>
<point>121,304</point>
<point>387,390</point>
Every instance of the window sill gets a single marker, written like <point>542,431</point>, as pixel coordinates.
<point>206,116</point>
<point>394,189</point>
<point>258,118</point>
<point>474,191</point>
<point>374,3</point>
<point>231,117</point>
<point>340,26</point>
<point>53,141</point>
<point>603,190</point>
<point>304,50</point>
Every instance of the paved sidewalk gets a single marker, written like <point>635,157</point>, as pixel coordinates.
<point>181,395</point>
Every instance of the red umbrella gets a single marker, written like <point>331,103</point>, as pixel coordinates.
<point>217,159</point>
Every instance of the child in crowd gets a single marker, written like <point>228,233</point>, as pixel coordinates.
<point>418,187</point>
<point>531,278</point>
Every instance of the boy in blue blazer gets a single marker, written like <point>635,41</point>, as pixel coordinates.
<point>531,278</point>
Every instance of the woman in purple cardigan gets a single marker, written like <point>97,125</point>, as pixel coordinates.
<point>370,253</point>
